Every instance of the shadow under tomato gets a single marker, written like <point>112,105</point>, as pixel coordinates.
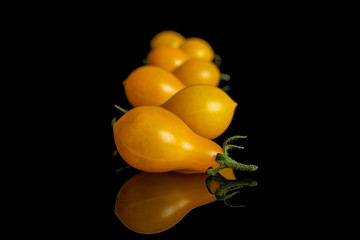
<point>150,203</point>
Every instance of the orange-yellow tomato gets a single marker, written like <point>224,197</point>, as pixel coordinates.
<point>207,110</point>
<point>151,85</point>
<point>198,48</point>
<point>167,38</point>
<point>167,57</point>
<point>153,139</point>
<point>150,203</point>
<point>198,71</point>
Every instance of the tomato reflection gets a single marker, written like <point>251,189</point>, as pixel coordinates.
<point>150,203</point>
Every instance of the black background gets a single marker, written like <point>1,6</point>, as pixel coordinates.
<point>255,57</point>
<point>87,57</point>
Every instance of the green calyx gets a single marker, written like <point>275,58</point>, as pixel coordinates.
<point>227,162</point>
<point>227,188</point>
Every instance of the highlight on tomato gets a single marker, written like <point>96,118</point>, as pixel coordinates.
<point>198,48</point>
<point>167,57</point>
<point>153,139</point>
<point>198,71</point>
<point>207,110</point>
<point>151,85</point>
<point>167,38</point>
<point>150,203</point>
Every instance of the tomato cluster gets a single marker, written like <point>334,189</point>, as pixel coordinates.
<point>189,59</point>
<point>178,109</point>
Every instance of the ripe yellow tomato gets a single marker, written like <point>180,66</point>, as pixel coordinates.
<point>207,110</point>
<point>198,48</point>
<point>198,71</point>
<point>151,85</point>
<point>150,203</point>
<point>167,38</point>
<point>167,57</point>
<point>153,139</point>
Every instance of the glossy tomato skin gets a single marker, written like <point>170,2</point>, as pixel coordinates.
<point>151,85</point>
<point>167,57</point>
<point>150,203</point>
<point>153,139</point>
<point>198,48</point>
<point>198,71</point>
<point>207,110</point>
<point>167,38</point>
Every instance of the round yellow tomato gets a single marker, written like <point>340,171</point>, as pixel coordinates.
<point>151,85</point>
<point>207,110</point>
<point>167,38</point>
<point>167,57</point>
<point>198,71</point>
<point>198,48</point>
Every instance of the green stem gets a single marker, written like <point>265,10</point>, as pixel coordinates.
<point>217,60</point>
<point>123,168</point>
<point>225,88</point>
<point>120,108</point>
<point>227,162</point>
<point>113,121</point>
<point>225,77</point>
<point>226,146</point>
<point>226,142</point>
<point>115,152</point>
<point>145,61</point>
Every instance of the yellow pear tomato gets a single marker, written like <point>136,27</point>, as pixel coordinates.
<point>198,48</point>
<point>167,38</point>
<point>151,85</point>
<point>198,71</point>
<point>207,110</point>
